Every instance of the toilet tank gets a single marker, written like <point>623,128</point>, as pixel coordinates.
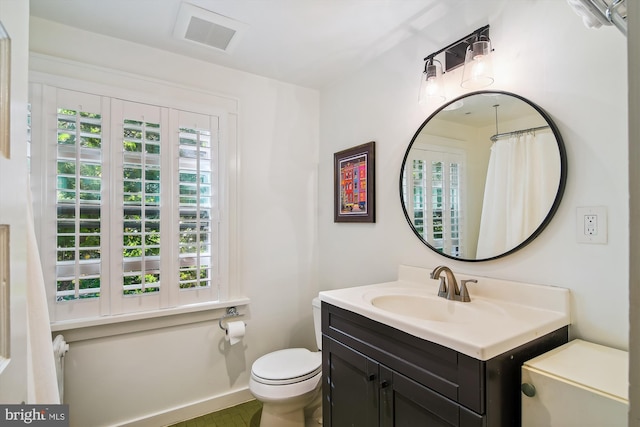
<point>317,323</point>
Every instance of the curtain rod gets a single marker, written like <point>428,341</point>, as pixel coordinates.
<point>609,12</point>
<point>495,137</point>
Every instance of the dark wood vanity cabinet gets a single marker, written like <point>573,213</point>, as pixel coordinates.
<point>375,375</point>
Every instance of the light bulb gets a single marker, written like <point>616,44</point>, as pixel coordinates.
<point>430,85</point>
<point>478,68</point>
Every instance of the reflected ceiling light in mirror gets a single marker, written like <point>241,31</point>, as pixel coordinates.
<point>478,65</point>
<point>431,84</point>
<point>454,105</point>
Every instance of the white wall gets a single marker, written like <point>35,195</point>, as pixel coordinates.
<point>578,76</point>
<point>14,16</point>
<point>117,379</point>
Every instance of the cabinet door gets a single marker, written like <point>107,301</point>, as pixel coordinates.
<point>406,403</point>
<point>353,392</point>
<point>558,402</point>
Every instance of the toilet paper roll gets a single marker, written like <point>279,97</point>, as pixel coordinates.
<point>234,332</point>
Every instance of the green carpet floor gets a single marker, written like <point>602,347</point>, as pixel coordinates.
<point>244,415</point>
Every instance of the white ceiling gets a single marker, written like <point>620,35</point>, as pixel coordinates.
<point>305,42</point>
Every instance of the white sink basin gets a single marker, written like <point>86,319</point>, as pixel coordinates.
<point>502,315</point>
<point>434,308</point>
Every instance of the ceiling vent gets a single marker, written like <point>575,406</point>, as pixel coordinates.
<point>207,28</point>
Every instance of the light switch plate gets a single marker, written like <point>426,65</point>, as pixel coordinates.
<point>591,224</point>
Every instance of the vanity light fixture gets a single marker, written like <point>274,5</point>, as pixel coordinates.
<point>472,51</point>
<point>431,85</point>
<point>478,66</point>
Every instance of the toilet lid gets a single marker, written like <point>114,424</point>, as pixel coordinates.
<point>287,366</point>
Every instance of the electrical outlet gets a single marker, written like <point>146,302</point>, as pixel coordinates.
<point>591,224</point>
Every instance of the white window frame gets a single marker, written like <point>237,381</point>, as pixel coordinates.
<point>172,300</point>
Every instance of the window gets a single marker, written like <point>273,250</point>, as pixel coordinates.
<point>78,200</point>
<point>433,193</point>
<point>135,205</point>
<point>195,205</point>
<point>141,207</point>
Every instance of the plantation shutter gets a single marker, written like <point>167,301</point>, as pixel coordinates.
<point>130,201</point>
<point>80,257</point>
<point>197,204</point>
<point>434,198</point>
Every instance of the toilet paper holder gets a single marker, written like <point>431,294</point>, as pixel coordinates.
<point>231,312</point>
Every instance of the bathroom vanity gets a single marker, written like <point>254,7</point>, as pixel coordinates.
<point>385,365</point>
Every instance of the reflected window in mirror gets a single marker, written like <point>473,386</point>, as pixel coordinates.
<point>437,187</point>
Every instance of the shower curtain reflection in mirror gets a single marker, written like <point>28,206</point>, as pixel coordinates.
<point>517,197</point>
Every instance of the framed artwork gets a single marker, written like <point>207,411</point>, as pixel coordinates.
<point>354,184</point>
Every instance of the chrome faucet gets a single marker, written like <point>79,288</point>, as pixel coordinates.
<point>449,287</point>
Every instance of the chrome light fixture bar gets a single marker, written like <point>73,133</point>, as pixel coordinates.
<point>472,51</point>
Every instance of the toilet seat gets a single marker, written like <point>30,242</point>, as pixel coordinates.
<point>287,366</point>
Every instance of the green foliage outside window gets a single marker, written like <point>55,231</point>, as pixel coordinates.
<point>79,181</point>
<point>79,188</point>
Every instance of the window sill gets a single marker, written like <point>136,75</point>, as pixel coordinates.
<point>99,327</point>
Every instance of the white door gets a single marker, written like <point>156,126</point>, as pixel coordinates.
<point>13,185</point>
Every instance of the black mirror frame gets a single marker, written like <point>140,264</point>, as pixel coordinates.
<point>556,201</point>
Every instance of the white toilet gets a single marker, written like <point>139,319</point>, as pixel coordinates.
<point>288,382</point>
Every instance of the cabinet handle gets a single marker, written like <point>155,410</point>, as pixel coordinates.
<point>371,377</point>
<point>384,384</point>
<point>529,390</point>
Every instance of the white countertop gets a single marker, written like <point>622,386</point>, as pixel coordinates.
<point>502,314</point>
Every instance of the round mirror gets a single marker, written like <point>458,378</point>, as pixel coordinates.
<point>483,176</point>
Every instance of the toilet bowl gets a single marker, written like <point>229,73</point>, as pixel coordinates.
<point>288,382</point>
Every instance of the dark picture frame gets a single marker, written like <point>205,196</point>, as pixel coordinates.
<point>354,184</point>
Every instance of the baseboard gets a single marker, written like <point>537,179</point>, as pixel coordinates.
<point>192,410</point>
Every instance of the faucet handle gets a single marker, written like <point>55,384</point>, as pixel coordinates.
<point>464,292</point>
<point>442,290</point>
